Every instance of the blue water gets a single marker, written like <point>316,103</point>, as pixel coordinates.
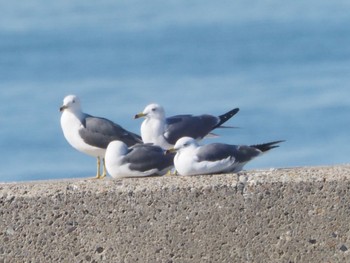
<point>285,64</point>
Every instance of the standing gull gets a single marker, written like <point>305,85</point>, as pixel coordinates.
<point>164,132</point>
<point>192,159</point>
<point>136,161</point>
<point>91,135</point>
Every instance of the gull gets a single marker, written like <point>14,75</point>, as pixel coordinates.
<point>164,132</point>
<point>193,159</point>
<point>136,161</point>
<point>91,135</point>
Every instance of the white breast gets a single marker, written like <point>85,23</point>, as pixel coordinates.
<point>71,125</point>
<point>184,162</point>
<point>114,163</point>
<point>152,131</point>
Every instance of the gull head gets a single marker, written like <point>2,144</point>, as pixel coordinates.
<point>71,103</point>
<point>183,144</point>
<point>152,111</point>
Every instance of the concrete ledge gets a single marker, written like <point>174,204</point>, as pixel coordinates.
<point>283,215</point>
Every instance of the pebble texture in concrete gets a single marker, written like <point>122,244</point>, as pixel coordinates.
<point>283,215</point>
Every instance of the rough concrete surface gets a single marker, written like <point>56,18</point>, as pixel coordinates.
<point>282,215</point>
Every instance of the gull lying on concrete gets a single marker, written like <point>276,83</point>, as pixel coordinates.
<point>164,132</point>
<point>91,135</point>
<point>137,161</point>
<point>193,159</point>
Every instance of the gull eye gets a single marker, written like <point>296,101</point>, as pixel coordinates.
<point>73,101</point>
<point>154,109</point>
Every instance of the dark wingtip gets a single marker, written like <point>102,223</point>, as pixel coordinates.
<point>264,147</point>
<point>226,116</point>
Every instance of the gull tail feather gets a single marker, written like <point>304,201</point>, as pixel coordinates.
<point>228,127</point>
<point>211,135</point>
<point>264,147</point>
<point>226,116</point>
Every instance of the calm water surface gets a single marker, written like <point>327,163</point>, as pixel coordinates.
<point>285,65</point>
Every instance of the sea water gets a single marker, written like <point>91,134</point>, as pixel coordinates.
<point>285,65</point>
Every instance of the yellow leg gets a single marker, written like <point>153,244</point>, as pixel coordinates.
<point>171,172</point>
<point>98,175</point>
<point>104,169</point>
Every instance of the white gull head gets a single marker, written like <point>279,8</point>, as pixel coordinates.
<point>71,103</point>
<point>154,125</point>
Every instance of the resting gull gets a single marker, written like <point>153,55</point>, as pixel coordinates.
<point>164,132</point>
<point>136,161</point>
<point>91,135</point>
<point>192,159</point>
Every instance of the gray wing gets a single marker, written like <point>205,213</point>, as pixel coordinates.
<point>218,151</point>
<point>196,127</point>
<point>100,132</point>
<point>215,152</point>
<point>246,153</point>
<point>146,157</point>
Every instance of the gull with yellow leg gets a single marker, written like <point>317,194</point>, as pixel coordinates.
<point>89,134</point>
